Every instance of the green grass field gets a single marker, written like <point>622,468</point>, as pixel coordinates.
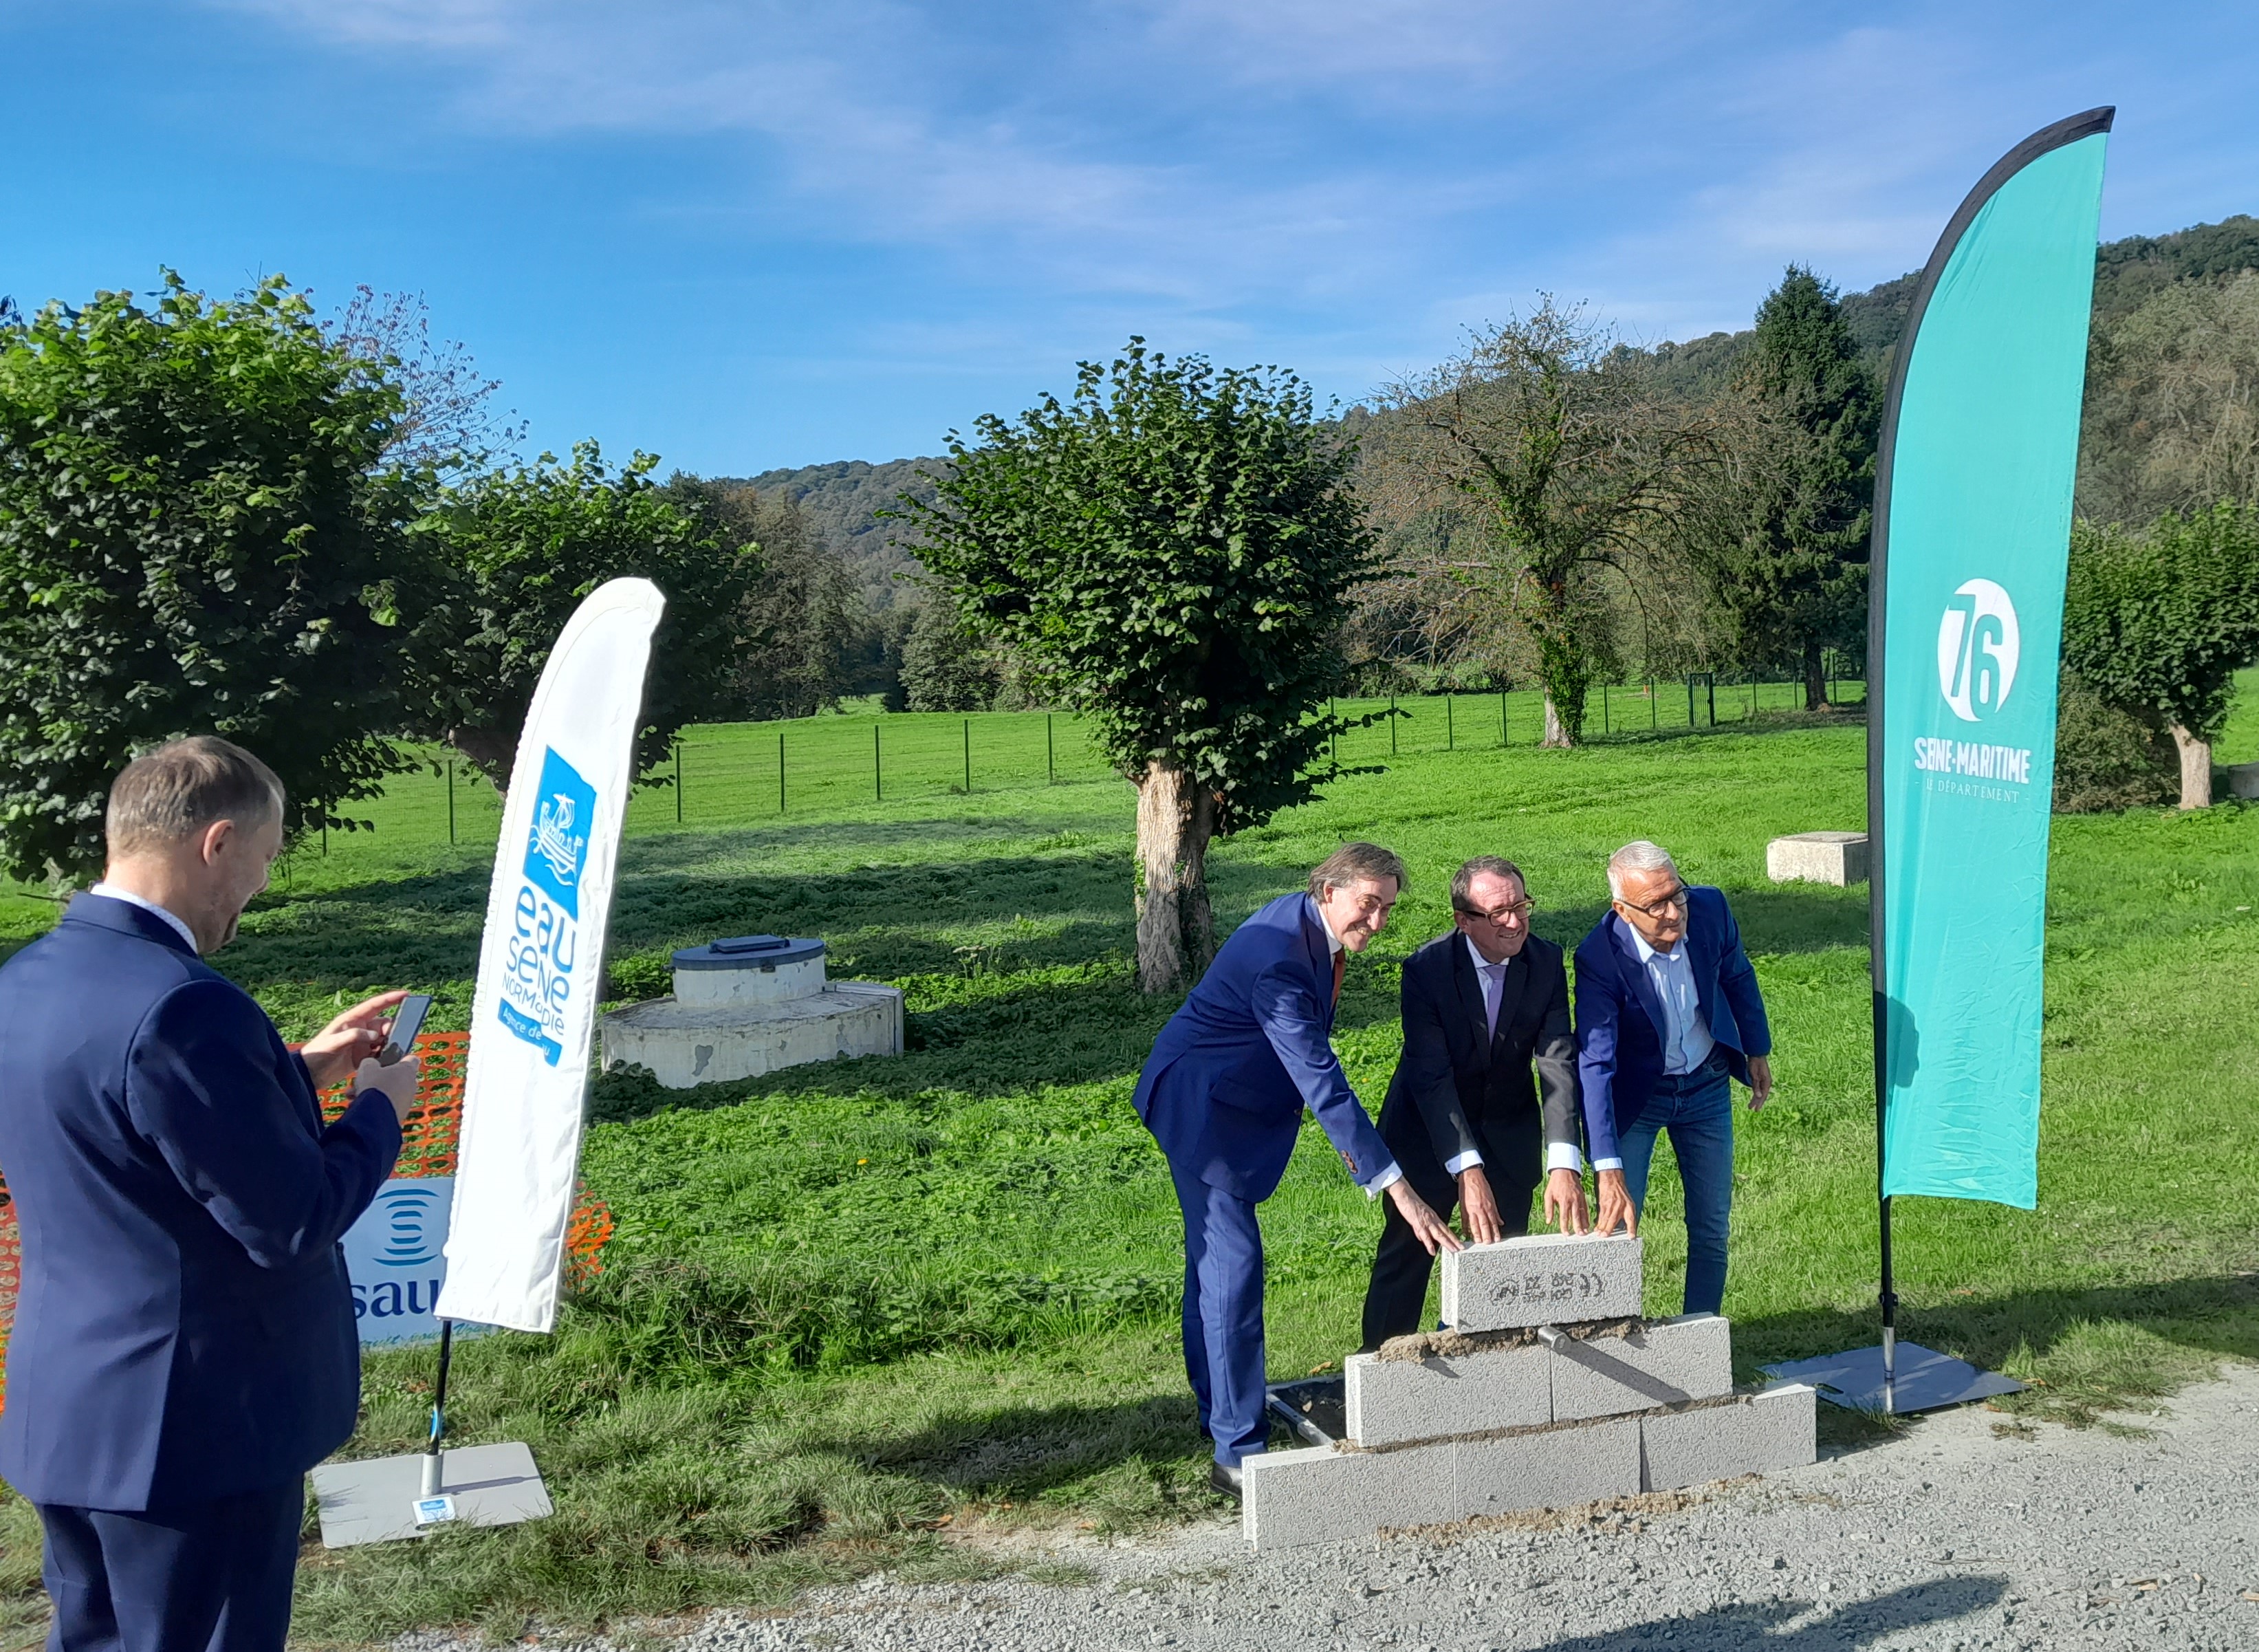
<point>852,1310</point>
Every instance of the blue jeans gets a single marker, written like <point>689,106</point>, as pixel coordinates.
<point>1697,1109</point>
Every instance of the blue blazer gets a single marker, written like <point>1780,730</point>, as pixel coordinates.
<point>1619,1019</point>
<point>185,1329</point>
<point>1225,1087</point>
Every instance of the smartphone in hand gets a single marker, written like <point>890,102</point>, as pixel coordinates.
<point>407,1022</point>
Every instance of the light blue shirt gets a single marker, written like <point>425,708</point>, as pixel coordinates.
<point>1686,1041</point>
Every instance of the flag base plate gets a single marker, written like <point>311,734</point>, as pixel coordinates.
<point>380,1499</point>
<point>1927,1380</point>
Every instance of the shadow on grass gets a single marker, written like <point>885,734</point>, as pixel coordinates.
<point>1732,1628</point>
<point>2087,1351</point>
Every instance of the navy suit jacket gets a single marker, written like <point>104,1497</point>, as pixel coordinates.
<point>184,1327</point>
<point>1225,1087</point>
<point>1620,1020</point>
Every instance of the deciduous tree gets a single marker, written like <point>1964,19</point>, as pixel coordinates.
<point>1555,434</point>
<point>1168,552</point>
<point>509,555</point>
<point>2160,621</point>
<point>196,520</point>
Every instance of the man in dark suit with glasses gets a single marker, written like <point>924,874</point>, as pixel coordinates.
<point>1480,1005</point>
<point>1667,1011</point>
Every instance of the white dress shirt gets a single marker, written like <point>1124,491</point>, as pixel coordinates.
<point>1393,1173</point>
<point>110,891</point>
<point>1558,1155</point>
<point>1686,1041</point>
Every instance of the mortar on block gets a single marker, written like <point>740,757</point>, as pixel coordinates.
<point>753,1004</point>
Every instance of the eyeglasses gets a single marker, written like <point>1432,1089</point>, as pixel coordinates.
<point>1502,915</point>
<point>1656,908</point>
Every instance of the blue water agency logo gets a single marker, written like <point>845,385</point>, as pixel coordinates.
<point>543,948</point>
<point>1978,647</point>
<point>400,1239</point>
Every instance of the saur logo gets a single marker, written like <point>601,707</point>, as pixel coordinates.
<point>409,1218</point>
<point>1977,645</point>
<point>395,1257</point>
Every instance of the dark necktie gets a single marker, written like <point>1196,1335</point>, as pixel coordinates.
<point>1341,968</point>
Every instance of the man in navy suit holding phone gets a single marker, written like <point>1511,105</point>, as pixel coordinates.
<point>184,1348</point>
<point>1667,1012</point>
<point>1224,1094</point>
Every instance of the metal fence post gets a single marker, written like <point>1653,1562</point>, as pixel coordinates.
<point>678,782</point>
<point>1501,719</point>
<point>968,757</point>
<point>780,771</point>
<point>1392,726</point>
<point>878,775</point>
<point>1451,740</point>
<point>1051,754</point>
<point>1604,709</point>
<point>1652,715</point>
<point>1689,699</point>
<point>451,800</point>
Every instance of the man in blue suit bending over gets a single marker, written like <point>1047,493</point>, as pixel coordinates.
<point>1224,1094</point>
<point>1667,1009</point>
<point>184,1346</point>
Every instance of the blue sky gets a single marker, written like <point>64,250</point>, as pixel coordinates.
<point>746,235</point>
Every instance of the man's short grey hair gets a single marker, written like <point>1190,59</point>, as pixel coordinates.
<point>179,789</point>
<point>1354,861</point>
<point>1462,881</point>
<point>1640,856</point>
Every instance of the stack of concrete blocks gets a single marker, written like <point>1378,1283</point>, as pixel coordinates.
<point>1548,1391</point>
<point>1836,858</point>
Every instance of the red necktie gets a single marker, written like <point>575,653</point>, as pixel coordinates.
<point>1341,968</point>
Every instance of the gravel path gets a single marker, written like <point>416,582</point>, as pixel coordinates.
<point>1962,1533</point>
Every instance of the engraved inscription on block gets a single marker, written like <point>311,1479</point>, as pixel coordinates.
<point>1541,1279</point>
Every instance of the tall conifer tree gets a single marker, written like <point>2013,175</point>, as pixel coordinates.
<point>1793,583</point>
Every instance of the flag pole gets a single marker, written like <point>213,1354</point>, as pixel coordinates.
<point>432,1451</point>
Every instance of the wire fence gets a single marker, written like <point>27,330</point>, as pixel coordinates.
<point>750,773</point>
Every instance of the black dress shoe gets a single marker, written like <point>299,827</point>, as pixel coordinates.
<point>1228,1481</point>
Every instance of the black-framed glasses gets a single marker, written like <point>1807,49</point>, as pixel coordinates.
<point>1502,915</point>
<point>1656,908</point>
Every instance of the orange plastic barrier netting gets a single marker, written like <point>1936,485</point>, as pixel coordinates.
<point>427,1147</point>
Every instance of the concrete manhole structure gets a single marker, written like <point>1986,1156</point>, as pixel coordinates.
<point>748,1005</point>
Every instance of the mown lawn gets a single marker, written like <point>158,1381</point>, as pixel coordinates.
<point>852,1312</point>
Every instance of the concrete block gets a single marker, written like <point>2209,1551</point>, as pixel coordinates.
<point>686,1044</point>
<point>1665,1362</point>
<point>1756,1433</point>
<point>1395,1400</point>
<point>1836,858</point>
<point>2243,780</point>
<point>1543,1280</point>
<point>1548,1468</point>
<point>1322,1494</point>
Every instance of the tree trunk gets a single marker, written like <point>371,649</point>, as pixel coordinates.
<point>2196,769</point>
<point>1176,931</point>
<point>1557,732</point>
<point>490,750</point>
<point>1816,681</point>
